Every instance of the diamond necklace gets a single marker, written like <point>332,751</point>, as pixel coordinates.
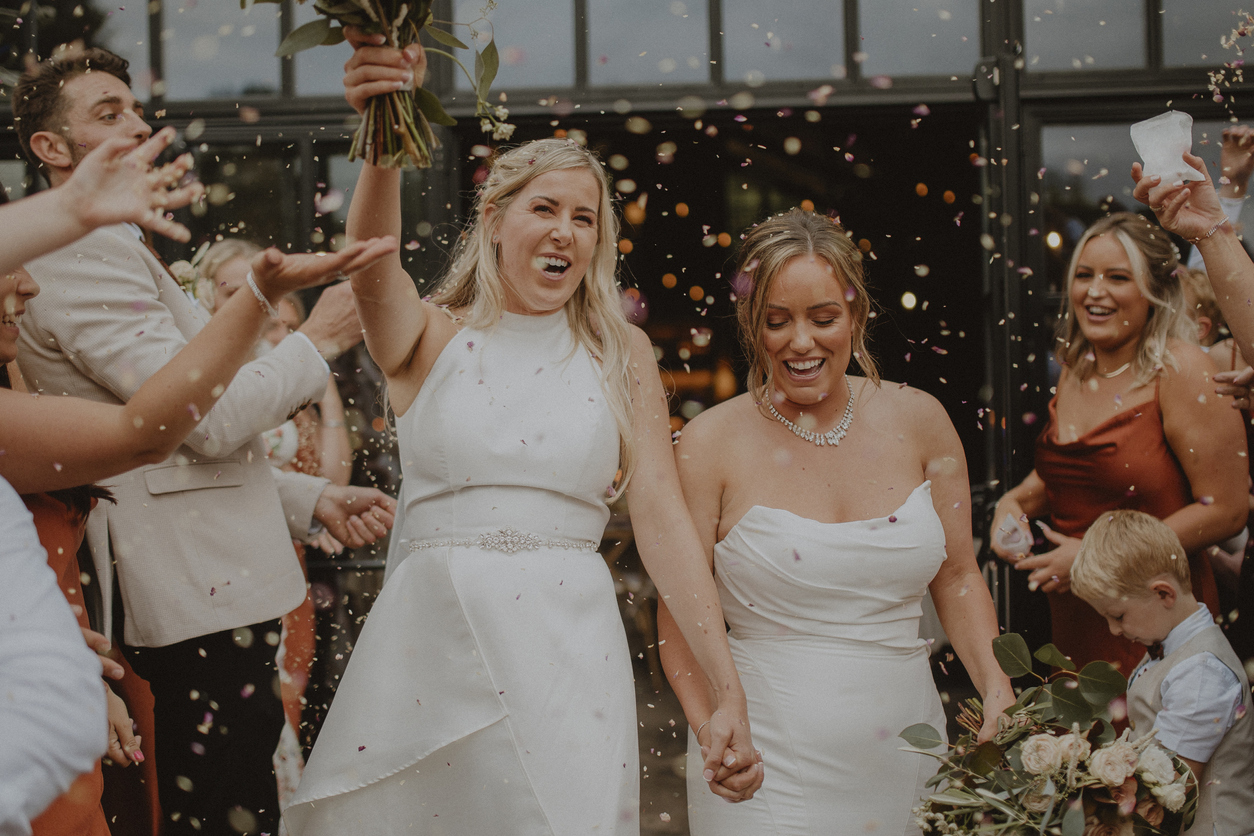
<point>833,436</point>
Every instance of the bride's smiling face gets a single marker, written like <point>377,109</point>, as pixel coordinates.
<point>546,238</point>
<point>809,330</point>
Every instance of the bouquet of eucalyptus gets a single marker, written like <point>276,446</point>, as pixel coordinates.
<point>395,131</point>
<point>1055,764</point>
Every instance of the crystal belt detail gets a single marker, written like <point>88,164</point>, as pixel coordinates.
<point>509,541</point>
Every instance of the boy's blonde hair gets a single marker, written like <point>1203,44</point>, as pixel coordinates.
<point>1200,301</point>
<point>1122,552</point>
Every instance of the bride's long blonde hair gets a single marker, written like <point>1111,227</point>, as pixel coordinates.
<point>474,285</point>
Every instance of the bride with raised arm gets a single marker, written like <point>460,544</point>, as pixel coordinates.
<point>491,688</point>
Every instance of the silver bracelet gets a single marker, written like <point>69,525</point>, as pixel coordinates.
<point>699,728</point>
<point>335,425</point>
<point>261,297</point>
<point>1213,230</point>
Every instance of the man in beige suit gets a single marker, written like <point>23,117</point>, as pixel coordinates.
<point>201,541</point>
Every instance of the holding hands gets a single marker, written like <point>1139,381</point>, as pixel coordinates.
<point>733,777</point>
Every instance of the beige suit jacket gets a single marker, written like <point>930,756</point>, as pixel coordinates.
<point>200,541</point>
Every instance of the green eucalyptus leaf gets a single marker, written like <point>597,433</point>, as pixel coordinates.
<point>1069,704</point>
<point>305,37</point>
<point>1053,657</point>
<point>490,63</point>
<point>1073,820</point>
<point>429,104</point>
<point>335,36</point>
<point>336,9</point>
<point>984,758</point>
<point>957,798</point>
<point>1012,654</point>
<point>445,38</point>
<point>922,736</point>
<point>934,780</point>
<point>1100,683</point>
<point>1106,735</point>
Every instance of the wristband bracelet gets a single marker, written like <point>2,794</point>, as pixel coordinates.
<point>335,425</point>
<point>1213,230</point>
<point>265,303</point>
<point>699,728</point>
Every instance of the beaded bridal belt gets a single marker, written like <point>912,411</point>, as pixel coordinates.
<point>509,541</point>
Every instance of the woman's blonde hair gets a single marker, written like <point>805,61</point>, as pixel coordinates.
<point>474,285</point>
<point>1153,260</point>
<point>767,248</point>
<point>1122,552</point>
<point>228,249</point>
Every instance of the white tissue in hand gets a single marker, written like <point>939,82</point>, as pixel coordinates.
<point>1161,142</point>
<point>1010,536</point>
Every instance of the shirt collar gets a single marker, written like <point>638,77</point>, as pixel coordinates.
<point>1187,629</point>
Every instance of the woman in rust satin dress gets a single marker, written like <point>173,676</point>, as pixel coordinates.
<point>1135,424</point>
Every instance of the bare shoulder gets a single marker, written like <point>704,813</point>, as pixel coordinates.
<point>1194,368</point>
<point>707,438</point>
<point>899,405</point>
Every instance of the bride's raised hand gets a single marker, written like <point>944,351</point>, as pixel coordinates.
<point>376,69</point>
<point>1189,209</point>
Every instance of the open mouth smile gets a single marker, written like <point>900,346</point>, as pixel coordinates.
<point>804,368</point>
<point>553,266</point>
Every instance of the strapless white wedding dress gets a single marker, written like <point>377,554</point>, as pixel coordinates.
<point>825,633</point>
<point>491,689</point>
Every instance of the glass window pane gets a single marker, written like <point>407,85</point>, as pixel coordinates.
<point>13,178</point>
<point>219,50</point>
<point>1084,34</point>
<point>1085,174</point>
<point>319,71</point>
<point>803,39</point>
<point>535,39</point>
<point>919,37</point>
<point>124,31</point>
<point>1191,32</point>
<point>253,193</point>
<point>648,42</point>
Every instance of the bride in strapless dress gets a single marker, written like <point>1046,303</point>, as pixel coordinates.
<point>829,504</point>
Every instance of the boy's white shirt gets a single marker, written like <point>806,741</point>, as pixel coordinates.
<point>1200,695</point>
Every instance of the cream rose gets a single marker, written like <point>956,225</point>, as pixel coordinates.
<point>1041,754</point>
<point>1172,795</point>
<point>1110,764</point>
<point>1156,767</point>
<point>1074,746</point>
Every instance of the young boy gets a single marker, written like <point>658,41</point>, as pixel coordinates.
<point>1190,687</point>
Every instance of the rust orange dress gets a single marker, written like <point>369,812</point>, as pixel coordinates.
<point>77,812</point>
<point>1122,463</point>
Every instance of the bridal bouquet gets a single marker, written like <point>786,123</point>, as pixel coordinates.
<point>395,131</point>
<point>1055,764</point>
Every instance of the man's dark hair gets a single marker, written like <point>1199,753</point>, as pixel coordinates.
<point>38,104</point>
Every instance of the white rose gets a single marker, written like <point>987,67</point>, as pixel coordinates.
<point>1041,754</point>
<point>1074,746</point>
<point>1156,767</point>
<point>1110,765</point>
<point>1172,795</point>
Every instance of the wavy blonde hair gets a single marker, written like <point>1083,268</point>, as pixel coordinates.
<point>1154,263</point>
<point>767,248</point>
<point>474,285</point>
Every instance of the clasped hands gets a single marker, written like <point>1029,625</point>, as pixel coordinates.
<point>1049,572</point>
<point>733,777</point>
